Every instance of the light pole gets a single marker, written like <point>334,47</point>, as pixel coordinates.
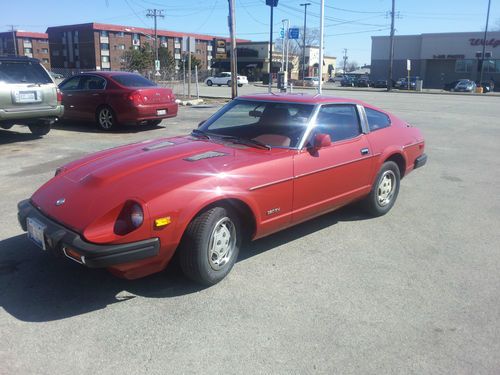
<point>272,4</point>
<point>285,48</point>
<point>484,44</point>
<point>321,32</point>
<point>391,48</point>
<point>305,5</point>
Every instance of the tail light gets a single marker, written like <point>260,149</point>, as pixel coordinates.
<point>135,97</point>
<point>59,96</point>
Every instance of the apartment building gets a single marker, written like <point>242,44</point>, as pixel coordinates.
<point>26,44</point>
<point>100,46</point>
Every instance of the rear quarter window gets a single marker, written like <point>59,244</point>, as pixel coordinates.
<point>376,119</point>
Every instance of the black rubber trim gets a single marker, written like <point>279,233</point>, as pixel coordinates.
<point>96,256</point>
<point>420,161</point>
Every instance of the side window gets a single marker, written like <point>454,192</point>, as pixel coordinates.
<point>93,83</point>
<point>71,84</point>
<point>340,121</point>
<point>377,120</point>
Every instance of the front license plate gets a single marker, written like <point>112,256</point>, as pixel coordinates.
<point>161,112</point>
<point>36,231</point>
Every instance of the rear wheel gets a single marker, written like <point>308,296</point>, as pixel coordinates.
<point>106,119</point>
<point>39,129</point>
<point>209,83</point>
<point>210,245</point>
<point>229,83</point>
<point>384,191</point>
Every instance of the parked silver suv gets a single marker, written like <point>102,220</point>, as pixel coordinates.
<point>28,95</point>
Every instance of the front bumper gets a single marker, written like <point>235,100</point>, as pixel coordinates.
<point>420,161</point>
<point>62,241</point>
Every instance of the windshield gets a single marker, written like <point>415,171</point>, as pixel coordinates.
<point>133,80</point>
<point>23,72</point>
<point>275,124</point>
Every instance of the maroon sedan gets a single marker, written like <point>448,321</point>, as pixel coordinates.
<point>113,98</point>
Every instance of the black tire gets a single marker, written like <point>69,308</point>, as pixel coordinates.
<point>154,122</point>
<point>219,85</point>
<point>106,118</point>
<point>209,83</point>
<point>384,191</point>
<point>39,129</point>
<point>240,84</point>
<point>229,83</point>
<point>204,239</point>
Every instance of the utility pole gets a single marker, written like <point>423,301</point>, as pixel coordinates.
<point>14,38</point>
<point>321,31</point>
<point>305,5</point>
<point>155,13</point>
<point>484,44</point>
<point>272,4</point>
<point>391,48</point>
<point>345,60</point>
<point>285,69</point>
<point>234,61</point>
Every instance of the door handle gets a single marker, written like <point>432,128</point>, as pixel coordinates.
<point>96,94</point>
<point>364,151</point>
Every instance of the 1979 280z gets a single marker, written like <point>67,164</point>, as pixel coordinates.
<point>260,164</point>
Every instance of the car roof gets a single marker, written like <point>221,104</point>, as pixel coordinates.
<point>19,58</point>
<point>108,73</point>
<point>300,98</point>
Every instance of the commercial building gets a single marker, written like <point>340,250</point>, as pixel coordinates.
<point>26,44</point>
<point>438,58</point>
<point>100,46</point>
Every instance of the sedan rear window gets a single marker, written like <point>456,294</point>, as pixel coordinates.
<point>23,72</point>
<point>132,80</point>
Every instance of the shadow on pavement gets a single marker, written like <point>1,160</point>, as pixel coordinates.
<point>11,136</point>
<point>38,287</point>
<point>90,127</point>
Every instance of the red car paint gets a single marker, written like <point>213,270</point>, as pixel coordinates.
<point>131,105</point>
<point>280,187</point>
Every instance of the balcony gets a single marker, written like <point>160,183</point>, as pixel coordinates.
<point>104,52</point>
<point>177,56</point>
<point>136,42</point>
<point>27,44</point>
<point>105,65</point>
<point>104,39</point>
<point>177,45</point>
<point>209,48</point>
<point>164,44</point>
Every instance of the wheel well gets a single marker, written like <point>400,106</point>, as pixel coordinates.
<point>400,161</point>
<point>244,212</point>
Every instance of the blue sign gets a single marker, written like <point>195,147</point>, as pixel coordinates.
<point>293,33</point>
<point>282,33</point>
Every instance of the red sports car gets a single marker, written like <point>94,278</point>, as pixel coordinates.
<point>260,164</point>
<point>113,98</point>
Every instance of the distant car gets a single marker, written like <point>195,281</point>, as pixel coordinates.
<point>114,98</point>
<point>311,81</point>
<point>335,79</point>
<point>465,85</point>
<point>402,83</point>
<point>224,78</point>
<point>450,86</point>
<point>487,86</point>
<point>380,83</point>
<point>348,81</point>
<point>28,95</point>
<point>261,164</point>
<point>363,82</point>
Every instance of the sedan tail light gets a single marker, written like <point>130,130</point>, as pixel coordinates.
<point>59,96</point>
<point>135,97</point>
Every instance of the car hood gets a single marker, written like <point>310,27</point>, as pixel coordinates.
<point>93,186</point>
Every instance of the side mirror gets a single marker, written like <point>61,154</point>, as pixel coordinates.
<point>201,123</point>
<point>321,140</point>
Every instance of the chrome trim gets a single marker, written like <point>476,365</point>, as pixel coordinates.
<point>82,261</point>
<point>363,119</point>
<point>335,166</point>
<point>270,183</point>
<point>412,144</point>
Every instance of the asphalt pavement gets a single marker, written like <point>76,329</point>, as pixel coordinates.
<point>413,292</point>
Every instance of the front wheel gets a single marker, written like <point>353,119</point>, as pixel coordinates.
<point>384,191</point>
<point>229,83</point>
<point>106,119</point>
<point>209,83</point>
<point>210,245</point>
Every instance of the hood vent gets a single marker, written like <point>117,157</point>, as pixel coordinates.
<point>205,155</point>
<point>158,145</point>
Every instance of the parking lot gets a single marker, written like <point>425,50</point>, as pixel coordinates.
<point>415,291</point>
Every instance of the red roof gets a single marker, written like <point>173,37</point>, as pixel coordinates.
<point>29,34</point>
<point>133,29</point>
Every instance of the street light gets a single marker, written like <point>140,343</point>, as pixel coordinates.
<point>272,4</point>
<point>305,5</point>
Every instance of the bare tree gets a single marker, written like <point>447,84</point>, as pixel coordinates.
<point>312,39</point>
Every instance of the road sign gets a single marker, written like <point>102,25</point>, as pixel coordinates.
<point>282,33</point>
<point>188,44</point>
<point>157,65</point>
<point>293,33</point>
<point>408,64</point>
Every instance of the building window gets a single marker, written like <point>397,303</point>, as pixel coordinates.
<point>44,41</point>
<point>105,46</point>
<point>120,34</point>
<point>28,50</point>
<point>45,50</point>
<point>463,66</point>
<point>45,61</point>
<point>497,66</point>
<point>491,66</point>
<point>104,58</point>
<point>135,37</point>
<point>104,33</point>
<point>121,46</point>
<point>136,47</point>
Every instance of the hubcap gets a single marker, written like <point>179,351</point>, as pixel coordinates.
<point>105,118</point>
<point>221,244</point>
<point>386,187</point>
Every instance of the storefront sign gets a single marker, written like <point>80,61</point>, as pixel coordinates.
<point>479,42</point>
<point>450,57</point>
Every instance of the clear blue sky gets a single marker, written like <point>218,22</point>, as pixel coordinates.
<point>349,24</point>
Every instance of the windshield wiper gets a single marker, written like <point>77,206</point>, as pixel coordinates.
<point>200,134</point>
<point>246,141</point>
